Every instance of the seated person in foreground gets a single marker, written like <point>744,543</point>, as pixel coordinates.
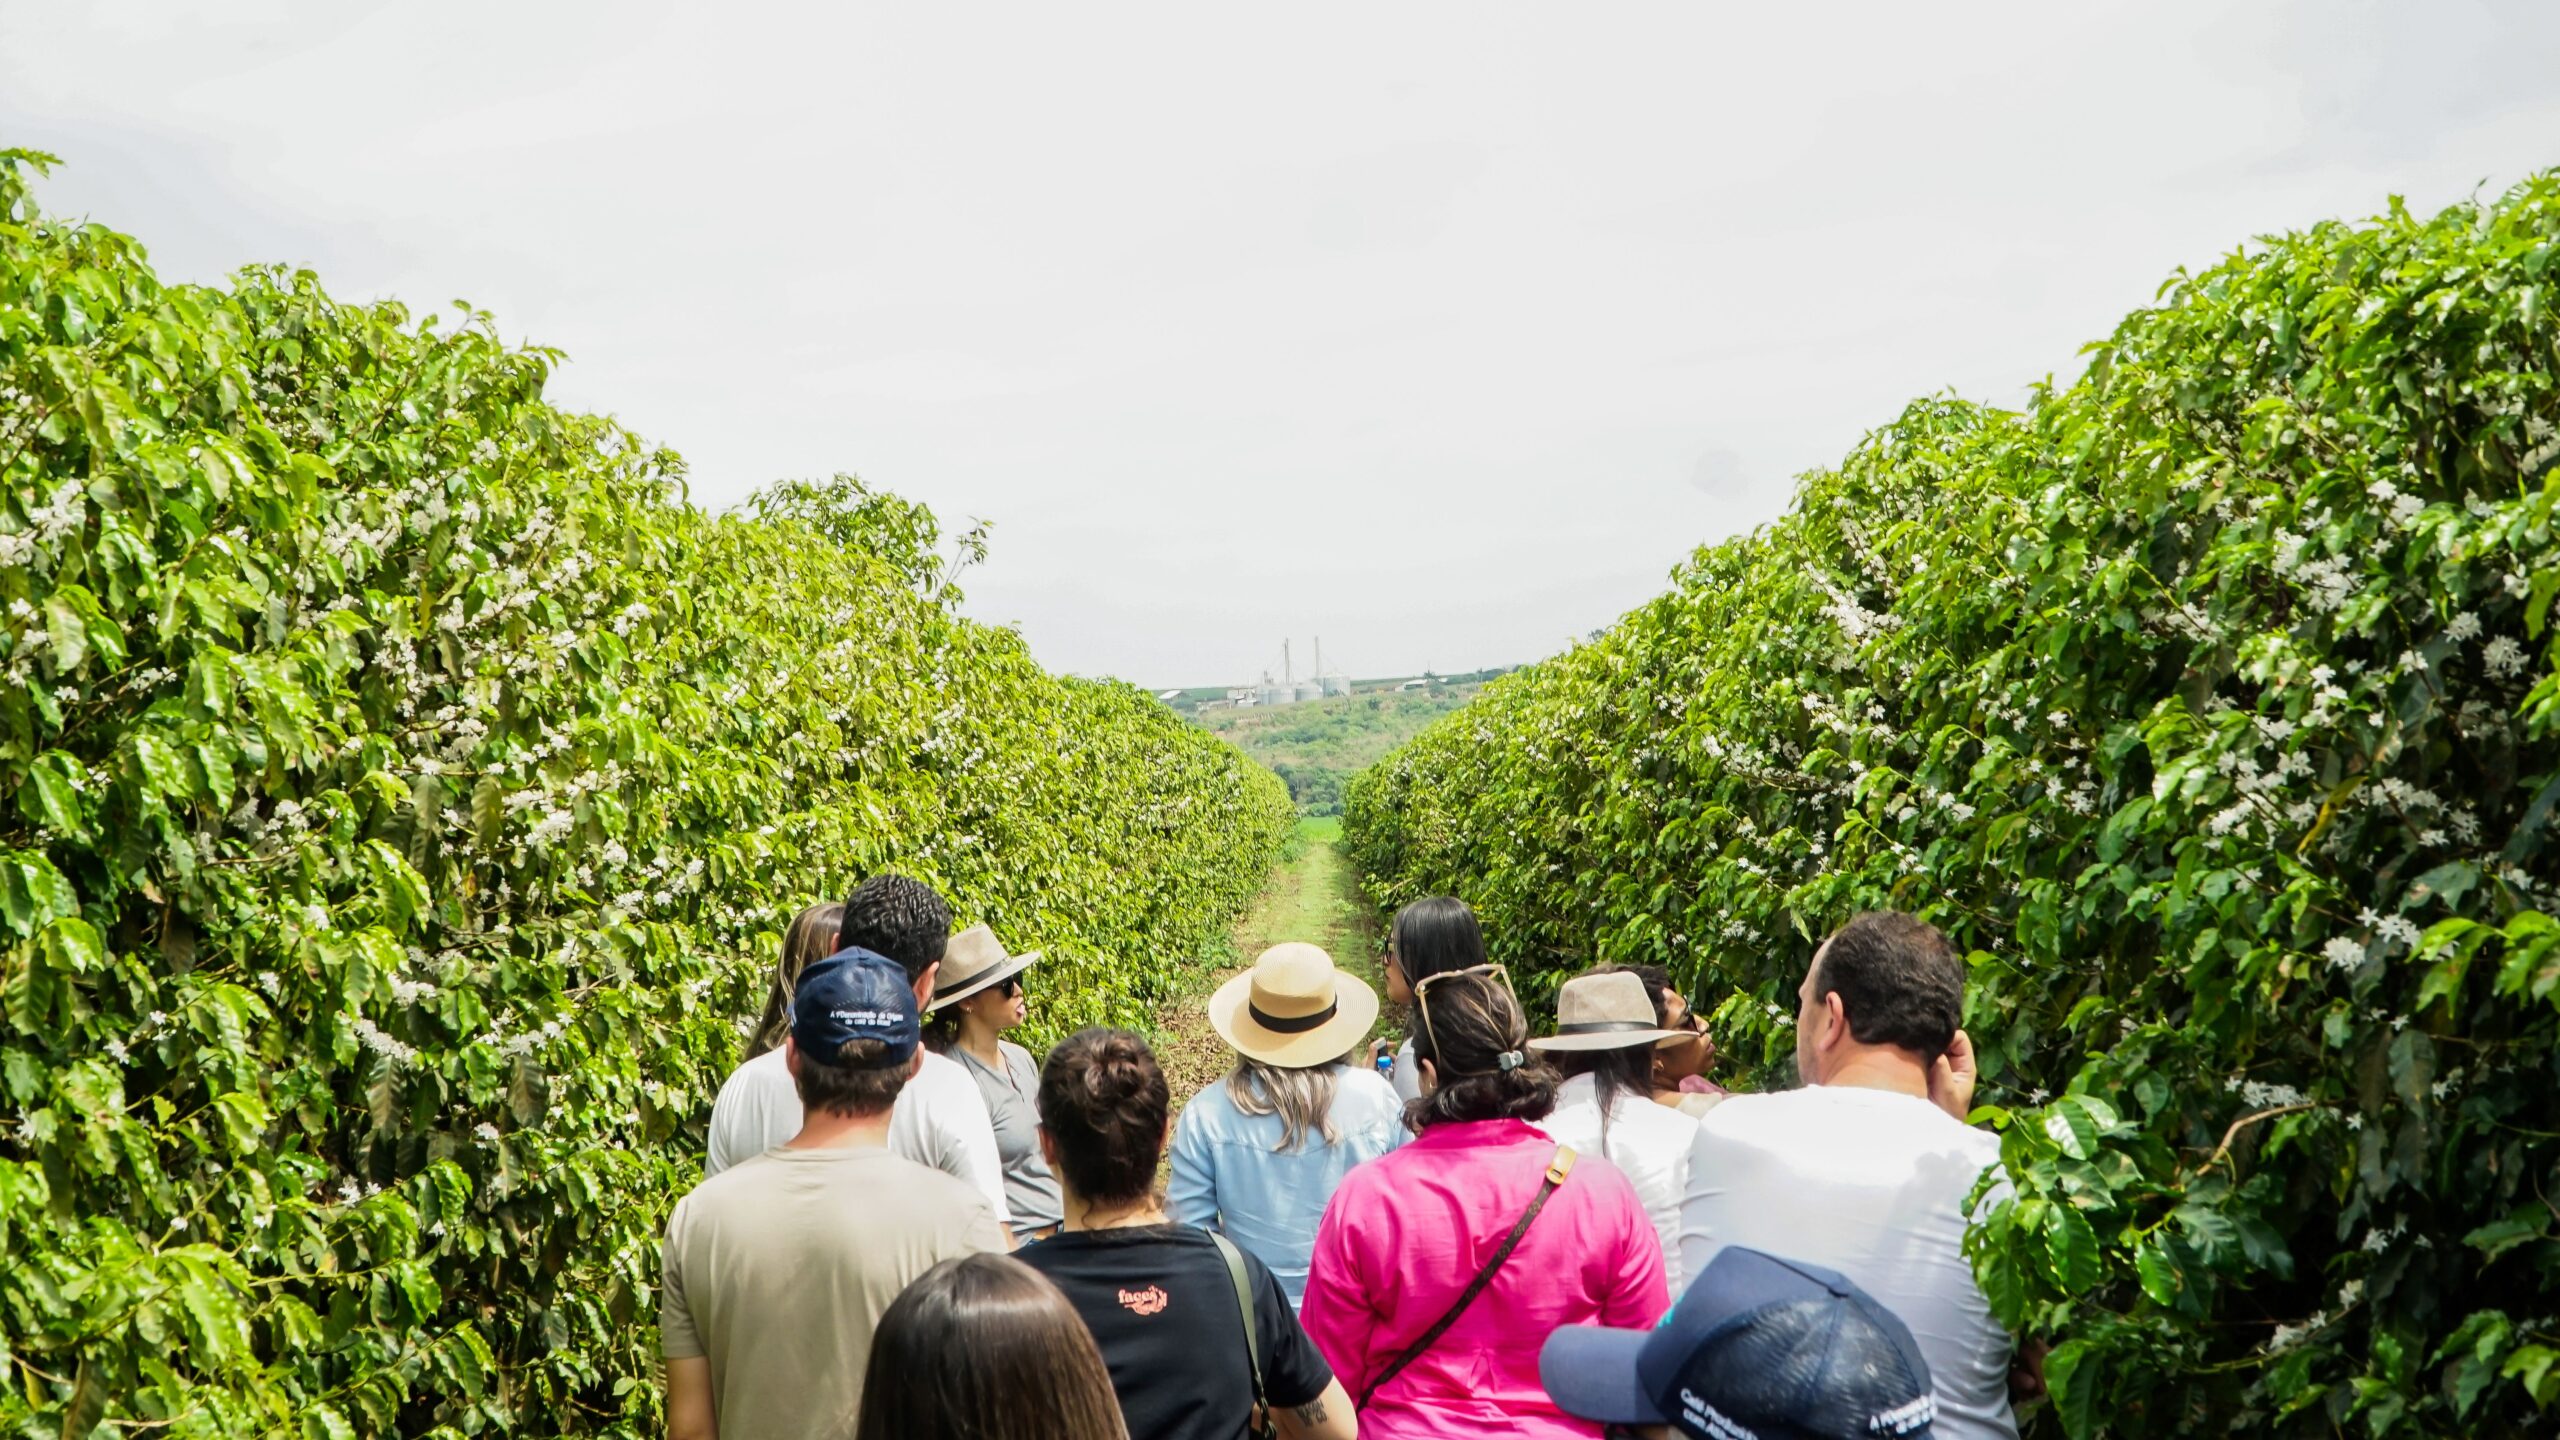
<point>1864,1170</point>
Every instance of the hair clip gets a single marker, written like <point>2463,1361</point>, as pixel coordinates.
<point>1511,1060</point>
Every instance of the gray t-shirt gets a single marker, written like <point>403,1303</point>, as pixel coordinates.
<point>1031,1199</point>
<point>778,1269</point>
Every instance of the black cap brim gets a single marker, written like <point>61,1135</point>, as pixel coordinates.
<point>1590,1372</point>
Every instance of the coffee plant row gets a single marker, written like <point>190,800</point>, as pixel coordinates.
<point>2209,704</point>
<point>405,788</point>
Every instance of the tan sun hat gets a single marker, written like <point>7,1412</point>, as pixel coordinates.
<point>1603,1012</point>
<point>972,961</point>
<point>1293,1008</point>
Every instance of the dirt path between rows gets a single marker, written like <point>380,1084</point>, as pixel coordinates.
<point>1313,896</point>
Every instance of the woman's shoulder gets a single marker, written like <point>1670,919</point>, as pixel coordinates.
<point>1655,1121</point>
<point>1366,1089</point>
<point>1598,1178</point>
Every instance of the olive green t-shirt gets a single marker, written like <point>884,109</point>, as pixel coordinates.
<point>779,1268</point>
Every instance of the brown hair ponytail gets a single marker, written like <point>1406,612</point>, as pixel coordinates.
<point>1472,1032</point>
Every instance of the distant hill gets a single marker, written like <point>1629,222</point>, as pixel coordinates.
<point>1317,745</point>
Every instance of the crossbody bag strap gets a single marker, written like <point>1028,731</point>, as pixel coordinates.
<point>1252,1333</point>
<point>1557,1169</point>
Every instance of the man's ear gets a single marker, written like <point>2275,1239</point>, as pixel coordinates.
<point>1835,1021</point>
<point>915,1062</point>
<point>791,1056</point>
<point>924,985</point>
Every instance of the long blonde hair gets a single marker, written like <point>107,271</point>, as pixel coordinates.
<point>1301,1096</point>
<point>811,936</point>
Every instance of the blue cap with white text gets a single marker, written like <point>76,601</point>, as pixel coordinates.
<point>1759,1348</point>
<point>855,994</point>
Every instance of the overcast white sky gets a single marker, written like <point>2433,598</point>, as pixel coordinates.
<point>1438,330</point>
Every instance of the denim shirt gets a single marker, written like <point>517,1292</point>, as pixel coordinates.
<point>1230,1175</point>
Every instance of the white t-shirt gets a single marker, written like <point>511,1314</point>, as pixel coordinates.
<point>940,1121</point>
<point>1871,1184</point>
<point>1649,1142</point>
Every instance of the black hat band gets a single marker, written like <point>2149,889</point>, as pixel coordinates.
<point>1290,1024</point>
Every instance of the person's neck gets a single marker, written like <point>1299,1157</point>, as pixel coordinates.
<point>1082,1214</point>
<point>1880,1069</point>
<point>980,1040</point>
<point>827,1130</point>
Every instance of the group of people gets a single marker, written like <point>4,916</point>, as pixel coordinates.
<point>909,1227</point>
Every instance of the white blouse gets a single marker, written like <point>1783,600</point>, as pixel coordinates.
<point>1649,1142</point>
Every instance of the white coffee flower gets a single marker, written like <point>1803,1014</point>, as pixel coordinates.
<point>2502,656</point>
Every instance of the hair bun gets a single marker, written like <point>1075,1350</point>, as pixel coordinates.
<point>1104,1101</point>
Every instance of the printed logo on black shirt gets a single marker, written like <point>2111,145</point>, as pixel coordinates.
<point>1149,1301</point>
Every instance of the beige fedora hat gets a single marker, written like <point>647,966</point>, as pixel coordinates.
<point>972,961</point>
<point>1293,1008</point>
<point>1603,1012</point>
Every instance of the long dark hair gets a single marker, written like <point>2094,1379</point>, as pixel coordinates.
<point>1435,935</point>
<point>1471,1030</point>
<point>942,1029</point>
<point>1626,1070</point>
<point>985,1348</point>
<point>811,936</point>
<point>1104,1102</point>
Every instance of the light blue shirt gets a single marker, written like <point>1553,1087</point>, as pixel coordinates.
<point>1230,1175</point>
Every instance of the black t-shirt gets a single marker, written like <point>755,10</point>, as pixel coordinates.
<point>1161,1306</point>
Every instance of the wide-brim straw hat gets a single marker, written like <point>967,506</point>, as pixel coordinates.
<point>972,961</point>
<point>1604,1012</point>
<point>1293,1009</point>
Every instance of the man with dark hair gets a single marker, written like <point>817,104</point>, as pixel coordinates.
<point>901,918</point>
<point>941,1121</point>
<point>1866,1169</point>
<point>776,1271</point>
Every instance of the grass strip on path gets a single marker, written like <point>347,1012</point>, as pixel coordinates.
<point>1313,896</point>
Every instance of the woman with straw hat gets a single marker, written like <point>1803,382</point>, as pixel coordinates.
<point>1256,1155</point>
<point>1606,1031</point>
<point>977,996</point>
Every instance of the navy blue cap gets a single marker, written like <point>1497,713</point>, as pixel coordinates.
<point>855,994</point>
<point>1758,1348</point>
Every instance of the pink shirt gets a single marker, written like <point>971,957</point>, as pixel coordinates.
<point>1406,1233</point>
